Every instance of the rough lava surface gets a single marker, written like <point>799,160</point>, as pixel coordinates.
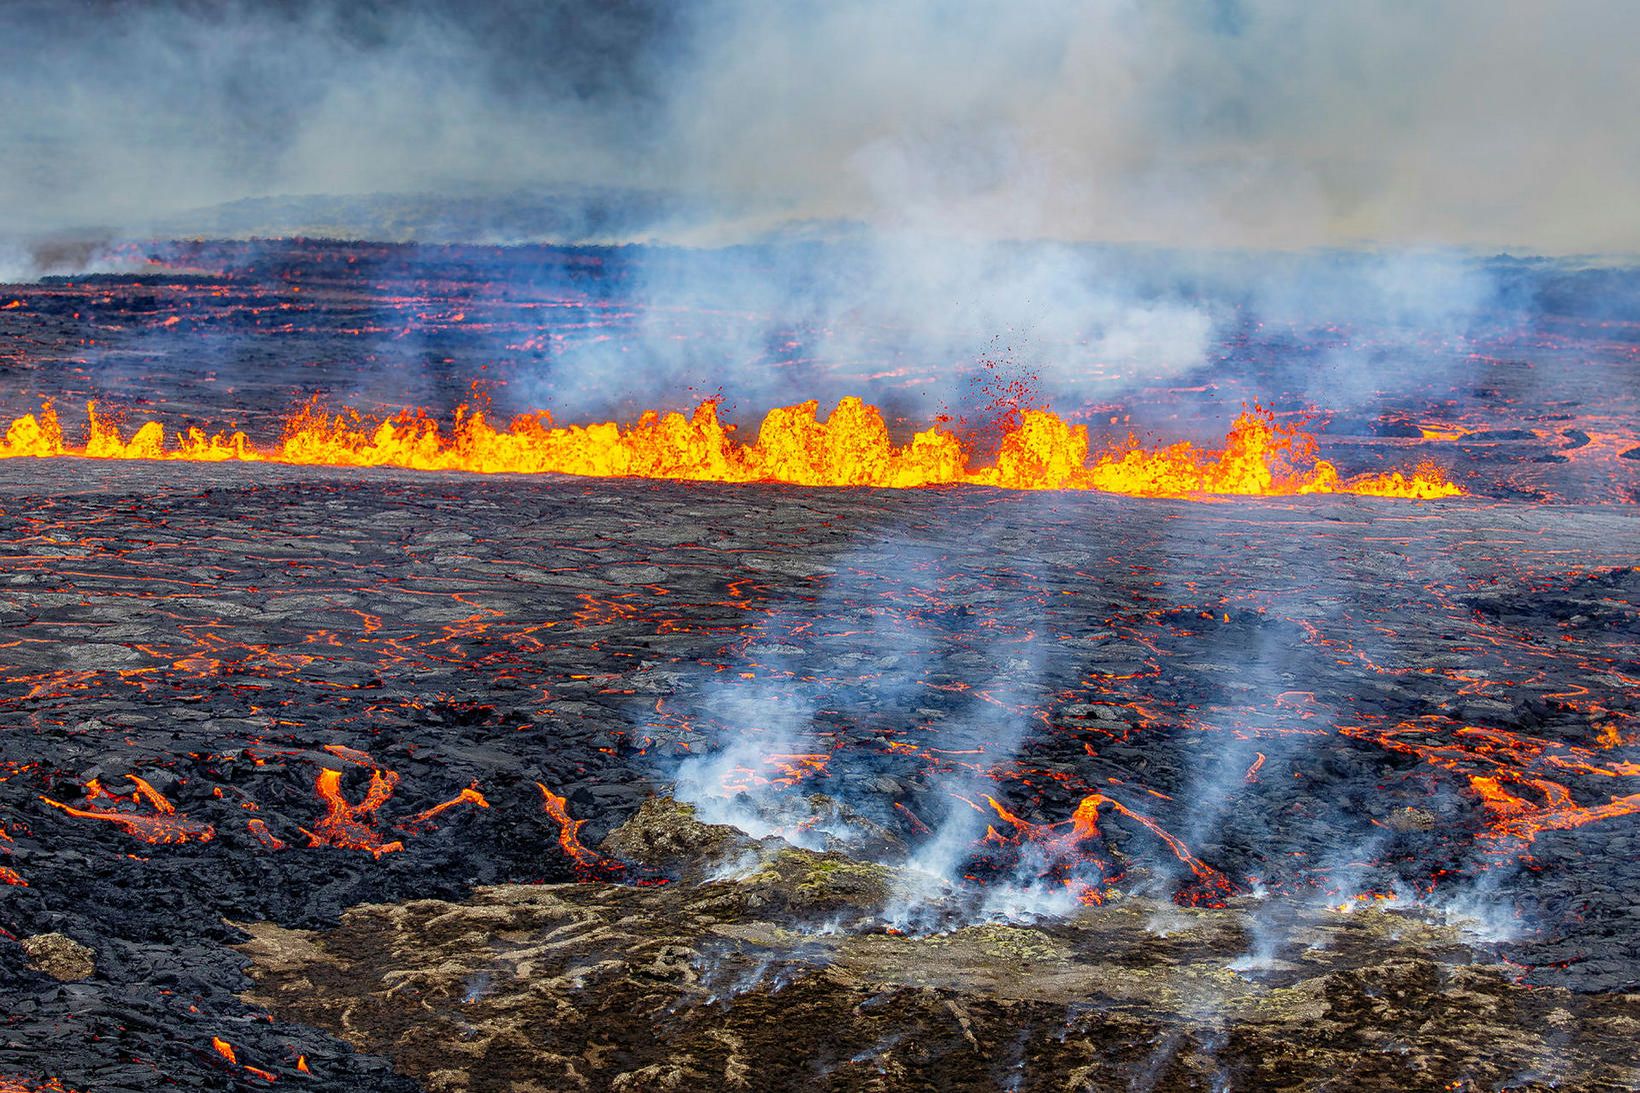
<point>755,982</point>
<point>360,779</point>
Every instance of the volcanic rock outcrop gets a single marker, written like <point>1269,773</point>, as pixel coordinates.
<point>746,982</point>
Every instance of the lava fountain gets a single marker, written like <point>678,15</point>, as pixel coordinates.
<point>1039,450</point>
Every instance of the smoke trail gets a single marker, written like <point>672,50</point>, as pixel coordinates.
<point>898,691</point>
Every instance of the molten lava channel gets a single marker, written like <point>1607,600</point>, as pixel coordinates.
<point>852,447</point>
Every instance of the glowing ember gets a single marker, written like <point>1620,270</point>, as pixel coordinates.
<point>852,447</point>
<point>162,825</point>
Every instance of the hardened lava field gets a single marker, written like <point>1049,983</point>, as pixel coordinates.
<point>368,778</point>
<point>1324,702</point>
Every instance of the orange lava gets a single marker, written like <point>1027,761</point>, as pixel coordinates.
<point>349,826</point>
<point>267,838</point>
<point>163,825</point>
<point>8,875</point>
<point>1067,843</point>
<point>25,1085</point>
<point>468,796</point>
<point>852,447</point>
<point>1514,775</point>
<point>782,770</point>
<point>588,863</point>
<point>1515,817</point>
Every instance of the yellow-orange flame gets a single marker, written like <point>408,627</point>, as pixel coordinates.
<point>852,447</point>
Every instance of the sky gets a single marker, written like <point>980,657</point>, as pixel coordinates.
<point>1492,124</point>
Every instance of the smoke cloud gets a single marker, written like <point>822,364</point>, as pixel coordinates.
<point>1219,123</point>
<point>905,320</point>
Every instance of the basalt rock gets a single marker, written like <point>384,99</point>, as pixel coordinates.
<point>769,875</point>
<point>1410,819</point>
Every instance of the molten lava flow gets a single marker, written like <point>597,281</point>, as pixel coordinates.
<point>24,1085</point>
<point>588,863</point>
<point>348,826</point>
<point>468,796</point>
<point>267,838</point>
<point>1518,790</point>
<point>1210,887</point>
<point>163,825</point>
<point>9,875</point>
<point>782,770</point>
<point>1039,451</point>
<point>1066,845</point>
<point>356,826</point>
<point>1515,817</point>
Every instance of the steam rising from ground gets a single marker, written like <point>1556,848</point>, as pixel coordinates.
<point>954,653</point>
<point>903,320</point>
<point>910,322</point>
<point>940,676</point>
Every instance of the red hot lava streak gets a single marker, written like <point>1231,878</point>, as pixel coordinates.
<point>161,824</point>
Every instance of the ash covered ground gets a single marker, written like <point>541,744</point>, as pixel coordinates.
<point>245,703</point>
